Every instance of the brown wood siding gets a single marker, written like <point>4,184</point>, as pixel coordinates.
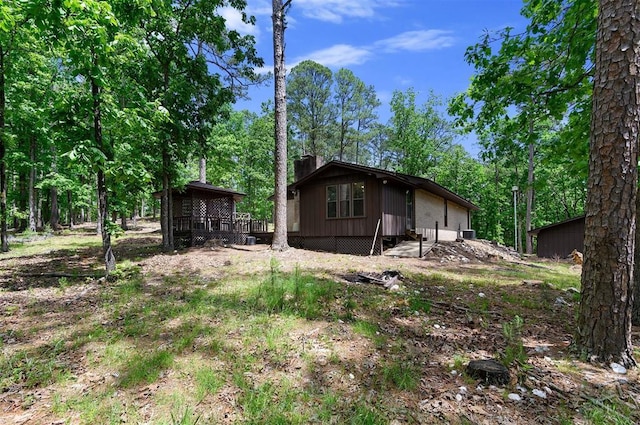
<point>394,205</point>
<point>560,240</point>
<point>313,207</point>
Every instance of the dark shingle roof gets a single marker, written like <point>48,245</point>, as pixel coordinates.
<point>198,186</point>
<point>412,181</point>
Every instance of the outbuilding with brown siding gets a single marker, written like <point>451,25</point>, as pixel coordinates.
<point>560,239</point>
<point>349,208</point>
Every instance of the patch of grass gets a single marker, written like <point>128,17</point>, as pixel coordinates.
<point>208,382</point>
<point>566,366</point>
<point>45,244</point>
<point>185,416</point>
<point>145,368</point>
<point>419,304</point>
<point>33,368</point>
<point>480,305</point>
<point>402,375</point>
<point>328,406</point>
<point>459,362</point>
<point>130,278</point>
<point>96,408</point>
<point>63,283</point>
<point>303,295</point>
<point>97,332</point>
<point>187,334</point>
<point>133,325</point>
<point>363,414</point>
<point>514,352</point>
<point>349,304</point>
<point>269,403</point>
<point>608,412</point>
<point>370,330</point>
<point>520,301</point>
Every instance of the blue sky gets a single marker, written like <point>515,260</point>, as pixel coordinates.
<point>390,44</point>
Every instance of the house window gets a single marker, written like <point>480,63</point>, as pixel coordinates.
<point>358,199</point>
<point>345,200</point>
<point>332,201</point>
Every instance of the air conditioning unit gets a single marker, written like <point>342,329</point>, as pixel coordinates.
<point>469,234</point>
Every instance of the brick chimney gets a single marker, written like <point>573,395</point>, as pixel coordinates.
<point>306,165</point>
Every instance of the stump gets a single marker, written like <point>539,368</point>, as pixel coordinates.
<point>489,370</point>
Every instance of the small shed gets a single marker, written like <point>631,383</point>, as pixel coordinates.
<point>560,239</point>
<point>203,212</point>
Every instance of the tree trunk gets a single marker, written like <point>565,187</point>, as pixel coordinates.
<point>635,315</point>
<point>39,213</point>
<point>135,215</point>
<point>99,220</point>
<point>280,242</point>
<point>54,219</point>
<point>203,170</point>
<point>103,207</point>
<point>528,237</point>
<point>32,186</point>
<point>165,206</point>
<point>70,208</point>
<point>21,223</point>
<point>604,320</point>
<point>4,237</point>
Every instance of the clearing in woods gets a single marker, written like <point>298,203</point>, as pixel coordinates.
<point>245,335</point>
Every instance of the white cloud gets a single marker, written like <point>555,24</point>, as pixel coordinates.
<point>336,10</point>
<point>384,96</point>
<point>259,8</point>
<point>344,55</point>
<point>403,81</point>
<point>338,56</point>
<point>263,70</point>
<point>233,19</point>
<point>417,41</point>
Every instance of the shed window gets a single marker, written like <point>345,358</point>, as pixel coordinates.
<point>345,200</point>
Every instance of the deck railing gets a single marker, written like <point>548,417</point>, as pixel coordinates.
<point>216,224</point>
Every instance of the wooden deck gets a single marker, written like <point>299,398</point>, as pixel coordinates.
<point>194,231</point>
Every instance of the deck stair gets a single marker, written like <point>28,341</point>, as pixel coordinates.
<point>413,235</point>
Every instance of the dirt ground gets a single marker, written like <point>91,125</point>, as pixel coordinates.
<point>464,317</point>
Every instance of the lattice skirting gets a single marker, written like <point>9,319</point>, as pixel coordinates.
<point>341,244</point>
<point>230,238</point>
<point>199,237</point>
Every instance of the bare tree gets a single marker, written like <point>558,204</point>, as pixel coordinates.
<point>604,321</point>
<point>280,97</point>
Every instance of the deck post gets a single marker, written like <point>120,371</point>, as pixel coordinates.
<point>436,232</point>
<point>420,239</point>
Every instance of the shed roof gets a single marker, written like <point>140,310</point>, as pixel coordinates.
<point>558,224</point>
<point>411,181</point>
<point>206,188</point>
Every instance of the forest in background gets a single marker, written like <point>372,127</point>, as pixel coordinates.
<point>122,98</point>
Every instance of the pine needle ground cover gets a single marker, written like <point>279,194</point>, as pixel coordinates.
<point>249,336</point>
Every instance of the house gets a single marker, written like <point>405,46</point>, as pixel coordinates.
<point>349,208</point>
<point>559,239</point>
<point>203,212</point>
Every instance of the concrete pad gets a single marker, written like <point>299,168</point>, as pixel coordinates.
<point>409,249</point>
